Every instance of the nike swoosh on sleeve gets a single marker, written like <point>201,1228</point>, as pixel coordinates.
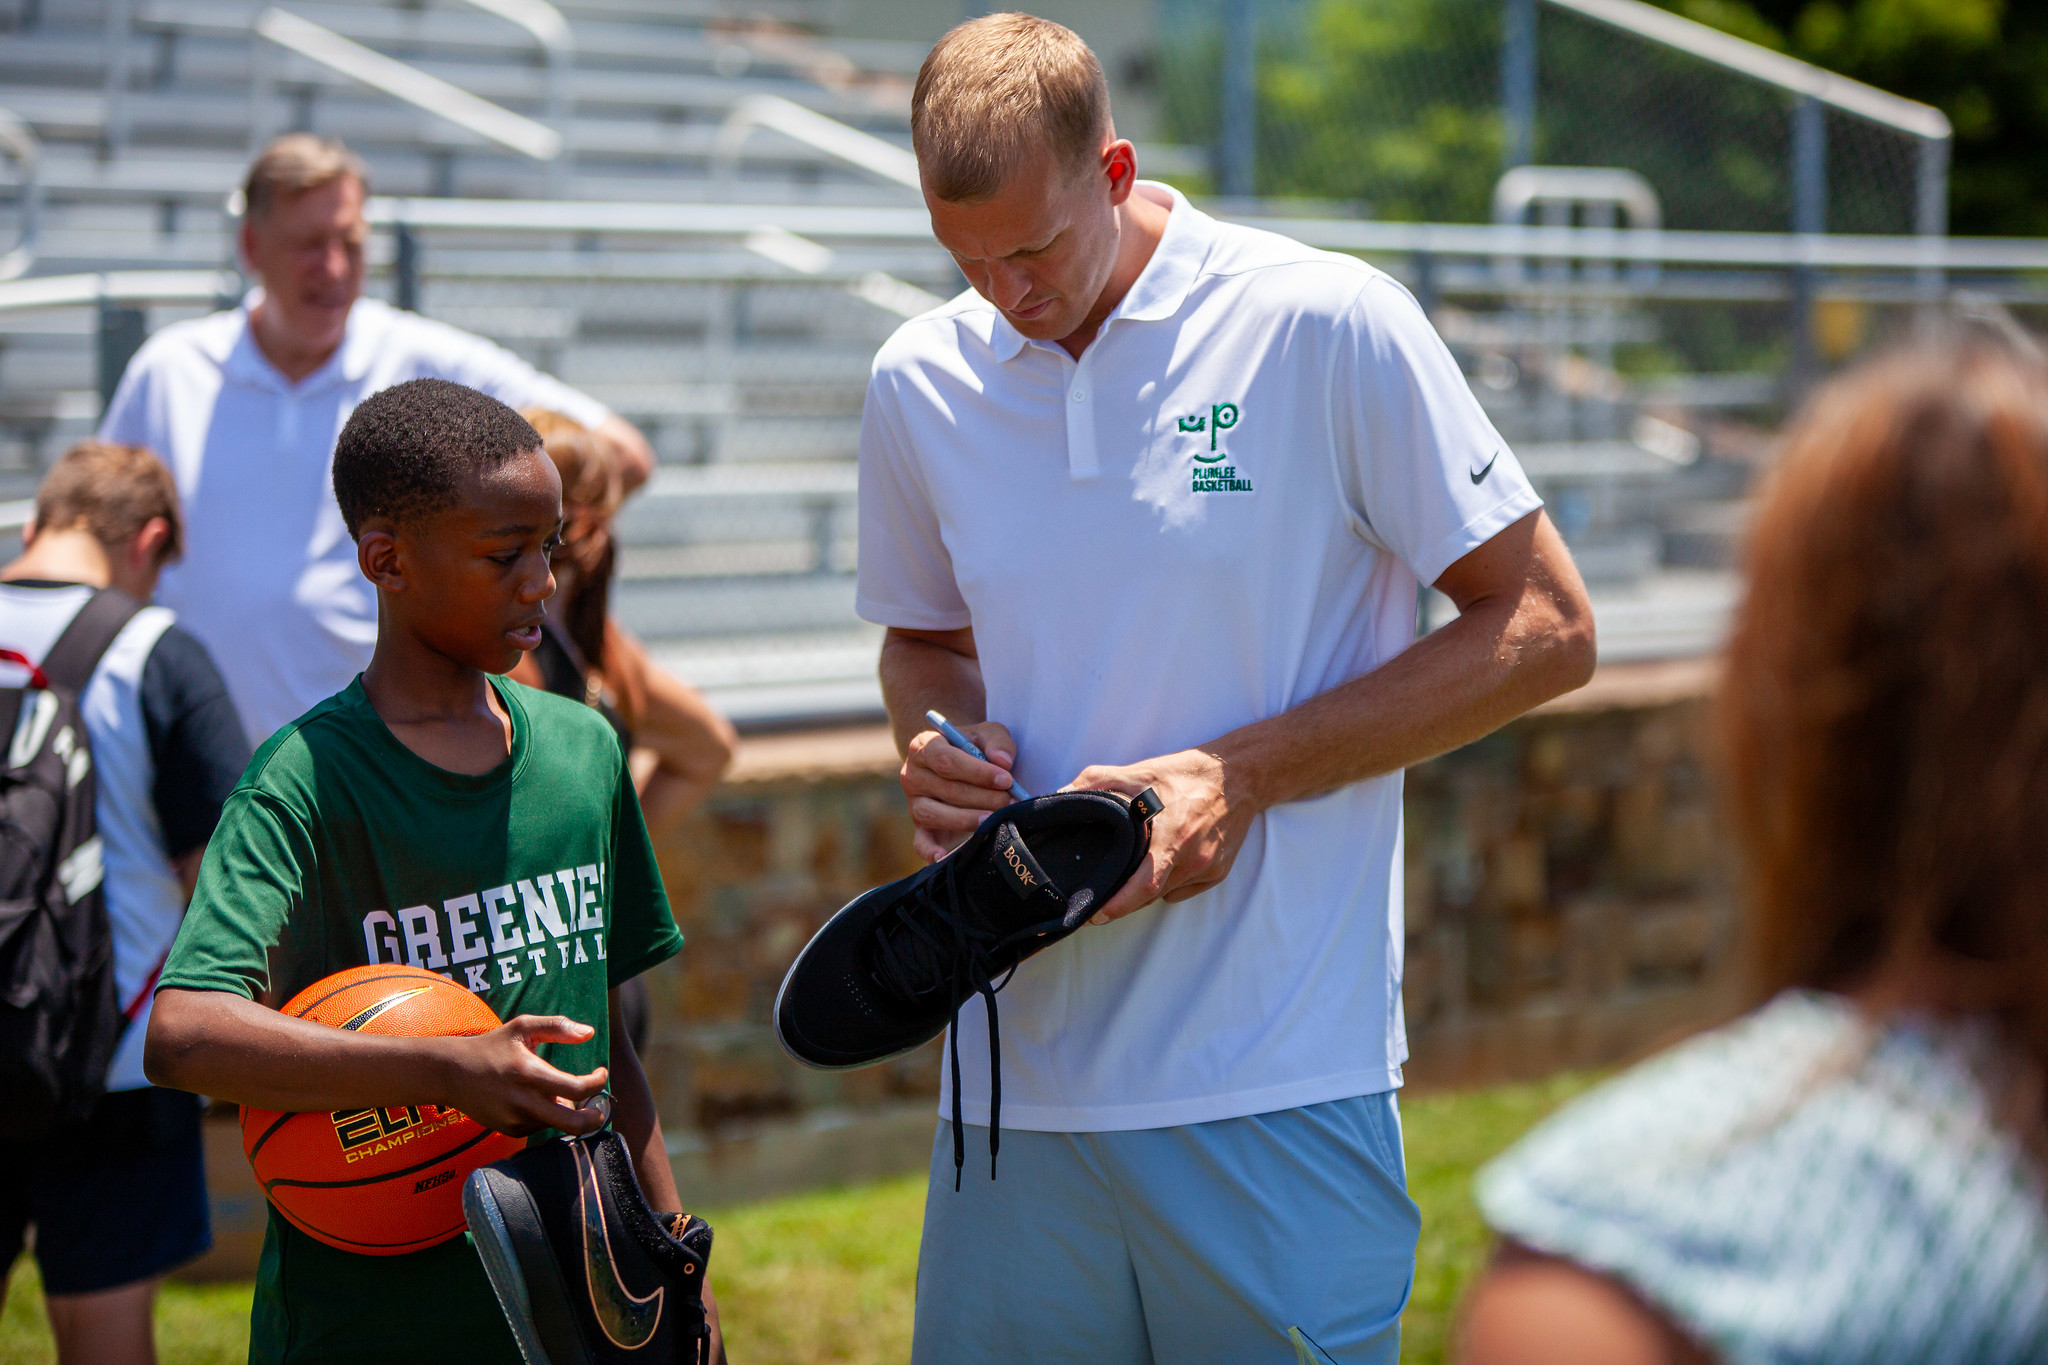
<point>1480,477</point>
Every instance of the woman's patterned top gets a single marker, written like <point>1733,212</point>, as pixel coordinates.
<point>1805,1186</point>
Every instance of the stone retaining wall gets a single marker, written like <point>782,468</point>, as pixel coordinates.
<point>1567,905</point>
<point>1569,896</point>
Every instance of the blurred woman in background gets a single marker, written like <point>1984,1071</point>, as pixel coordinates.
<point>677,745</point>
<point>1853,1172</point>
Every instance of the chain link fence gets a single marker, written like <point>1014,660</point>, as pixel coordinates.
<point>1641,389</point>
<point>1401,110</point>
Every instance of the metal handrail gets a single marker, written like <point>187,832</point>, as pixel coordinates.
<point>18,140</point>
<point>409,83</point>
<point>1811,86</point>
<point>1556,191</point>
<point>117,19</point>
<point>846,143</point>
<point>806,257</point>
<point>1760,63</point>
<point>643,219</point>
<point>1526,186</point>
<point>119,286</point>
<point>741,221</point>
<point>548,25</point>
<point>550,29</point>
<point>1779,249</point>
<point>907,224</point>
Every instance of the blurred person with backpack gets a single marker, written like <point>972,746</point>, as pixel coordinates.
<point>677,745</point>
<point>108,1168</point>
<point>1857,1170</point>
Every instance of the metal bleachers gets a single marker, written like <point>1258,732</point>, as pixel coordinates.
<point>745,363</point>
<point>703,216</point>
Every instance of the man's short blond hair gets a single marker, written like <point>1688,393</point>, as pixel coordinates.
<point>995,91</point>
<point>111,491</point>
<point>295,164</point>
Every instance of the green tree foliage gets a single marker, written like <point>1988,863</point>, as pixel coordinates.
<point>1406,137</point>
<point>1984,63</point>
<point>1385,103</point>
<point>1394,105</point>
<point>1715,145</point>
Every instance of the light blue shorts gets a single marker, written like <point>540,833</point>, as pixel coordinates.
<point>1280,1237</point>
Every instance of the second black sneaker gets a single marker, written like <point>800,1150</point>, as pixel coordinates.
<point>891,970</point>
<point>585,1271</point>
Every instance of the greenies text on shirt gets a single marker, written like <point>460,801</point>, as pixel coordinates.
<point>484,929</point>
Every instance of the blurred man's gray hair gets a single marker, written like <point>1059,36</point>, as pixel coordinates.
<point>295,164</point>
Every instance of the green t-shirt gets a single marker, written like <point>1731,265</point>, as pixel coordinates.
<point>534,885</point>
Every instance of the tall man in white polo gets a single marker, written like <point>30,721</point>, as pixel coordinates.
<point>245,406</point>
<point>1150,505</point>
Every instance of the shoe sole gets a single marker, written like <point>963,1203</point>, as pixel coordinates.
<point>502,1215</point>
<point>878,1059</point>
<point>783,990</point>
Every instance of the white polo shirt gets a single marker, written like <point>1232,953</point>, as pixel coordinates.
<point>269,581</point>
<point>1222,510</point>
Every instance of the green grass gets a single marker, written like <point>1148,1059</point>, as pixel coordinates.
<point>828,1276</point>
<point>1447,1137</point>
<point>196,1324</point>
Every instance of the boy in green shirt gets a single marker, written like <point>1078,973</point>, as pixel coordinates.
<point>438,814</point>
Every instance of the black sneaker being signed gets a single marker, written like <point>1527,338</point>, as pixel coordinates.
<point>891,970</point>
<point>585,1272</point>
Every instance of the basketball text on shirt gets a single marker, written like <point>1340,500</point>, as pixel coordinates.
<point>518,927</point>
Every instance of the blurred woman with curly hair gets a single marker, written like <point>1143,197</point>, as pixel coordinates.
<point>1854,1171</point>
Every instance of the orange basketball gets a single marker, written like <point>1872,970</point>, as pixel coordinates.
<point>380,1182</point>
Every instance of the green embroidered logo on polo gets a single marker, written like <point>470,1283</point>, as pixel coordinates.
<point>1207,478</point>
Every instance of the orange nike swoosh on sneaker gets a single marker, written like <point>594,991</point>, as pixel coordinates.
<point>627,1318</point>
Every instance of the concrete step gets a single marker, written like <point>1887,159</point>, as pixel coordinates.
<point>668,35</point>
<point>220,120</point>
<point>689,520</point>
<point>759,680</point>
<point>765,679</point>
<point>218,59</point>
<point>694,608</point>
<point>778,372</point>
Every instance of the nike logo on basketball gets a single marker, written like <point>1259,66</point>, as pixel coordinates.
<point>627,1318</point>
<point>1480,477</point>
<point>355,1024</point>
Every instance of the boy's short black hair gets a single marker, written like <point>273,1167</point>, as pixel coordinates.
<point>406,449</point>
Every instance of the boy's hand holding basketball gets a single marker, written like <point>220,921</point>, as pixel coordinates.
<point>500,1081</point>
<point>218,1043</point>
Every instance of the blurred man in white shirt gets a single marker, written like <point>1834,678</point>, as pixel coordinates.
<point>244,406</point>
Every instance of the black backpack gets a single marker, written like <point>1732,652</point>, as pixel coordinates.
<point>59,1017</point>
